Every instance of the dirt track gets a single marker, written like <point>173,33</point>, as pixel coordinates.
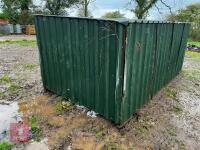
<point>170,121</point>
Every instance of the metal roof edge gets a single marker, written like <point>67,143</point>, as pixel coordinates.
<point>122,21</point>
<point>118,20</point>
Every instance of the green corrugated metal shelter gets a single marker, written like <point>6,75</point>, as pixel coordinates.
<point>110,66</point>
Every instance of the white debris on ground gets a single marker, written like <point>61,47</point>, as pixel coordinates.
<point>69,148</point>
<point>92,114</point>
<point>83,108</point>
<point>89,113</point>
<point>42,145</point>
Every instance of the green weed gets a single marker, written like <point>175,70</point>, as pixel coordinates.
<point>181,145</point>
<point>143,125</point>
<point>61,105</point>
<point>100,134</point>
<point>170,92</point>
<point>7,41</point>
<point>194,43</point>
<point>193,55</point>
<point>172,132</point>
<point>13,88</point>
<point>29,66</point>
<point>99,131</point>
<point>191,74</point>
<point>1,94</point>
<point>141,129</point>
<point>177,109</point>
<point>35,130</point>
<point>112,146</point>
<point>23,42</point>
<point>58,106</point>
<point>33,121</point>
<point>4,145</point>
<point>5,78</point>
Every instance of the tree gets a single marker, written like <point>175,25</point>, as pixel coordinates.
<point>190,14</point>
<point>3,16</point>
<point>114,14</point>
<point>143,6</point>
<point>81,12</point>
<point>57,7</point>
<point>11,10</point>
<point>18,11</point>
<point>25,4</point>
<point>84,8</point>
<point>26,16</point>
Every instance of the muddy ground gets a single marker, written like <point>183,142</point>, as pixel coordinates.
<point>171,120</point>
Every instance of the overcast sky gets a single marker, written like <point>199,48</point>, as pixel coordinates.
<point>100,7</point>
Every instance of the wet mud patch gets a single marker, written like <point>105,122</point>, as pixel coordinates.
<point>8,114</point>
<point>56,125</point>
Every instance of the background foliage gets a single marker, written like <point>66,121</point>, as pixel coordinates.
<point>114,14</point>
<point>190,14</point>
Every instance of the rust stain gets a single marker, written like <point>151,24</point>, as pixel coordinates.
<point>138,45</point>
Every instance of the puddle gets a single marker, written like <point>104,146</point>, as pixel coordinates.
<point>8,114</point>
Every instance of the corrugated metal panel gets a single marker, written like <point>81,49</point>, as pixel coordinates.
<point>80,59</point>
<point>154,55</point>
<point>138,68</point>
<point>110,66</point>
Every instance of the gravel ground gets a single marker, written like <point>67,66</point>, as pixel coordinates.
<point>17,37</point>
<point>171,120</point>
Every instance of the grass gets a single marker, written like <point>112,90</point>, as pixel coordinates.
<point>191,74</point>
<point>4,145</point>
<point>5,78</point>
<point>1,94</point>
<point>181,145</point>
<point>61,105</point>
<point>170,92</point>
<point>172,132</point>
<point>23,42</point>
<point>177,109</point>
<point>112,146</point>
<point>35,130</point>
<point>143,125</point>
<point>194,55</point>
<point>194,42</point>
<point>99,131</point>
<point>29,66</point>
<point>1,34</point>
<point>13,88</point>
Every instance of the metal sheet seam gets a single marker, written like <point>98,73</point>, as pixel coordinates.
<point>123,74</point>
<point>180,45</point>
<point>171,46</point>
<point>154,60</point>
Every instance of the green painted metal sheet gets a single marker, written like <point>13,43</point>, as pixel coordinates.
<point>110,66</point>
<point>154,56</point>
<point>80,59</point>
